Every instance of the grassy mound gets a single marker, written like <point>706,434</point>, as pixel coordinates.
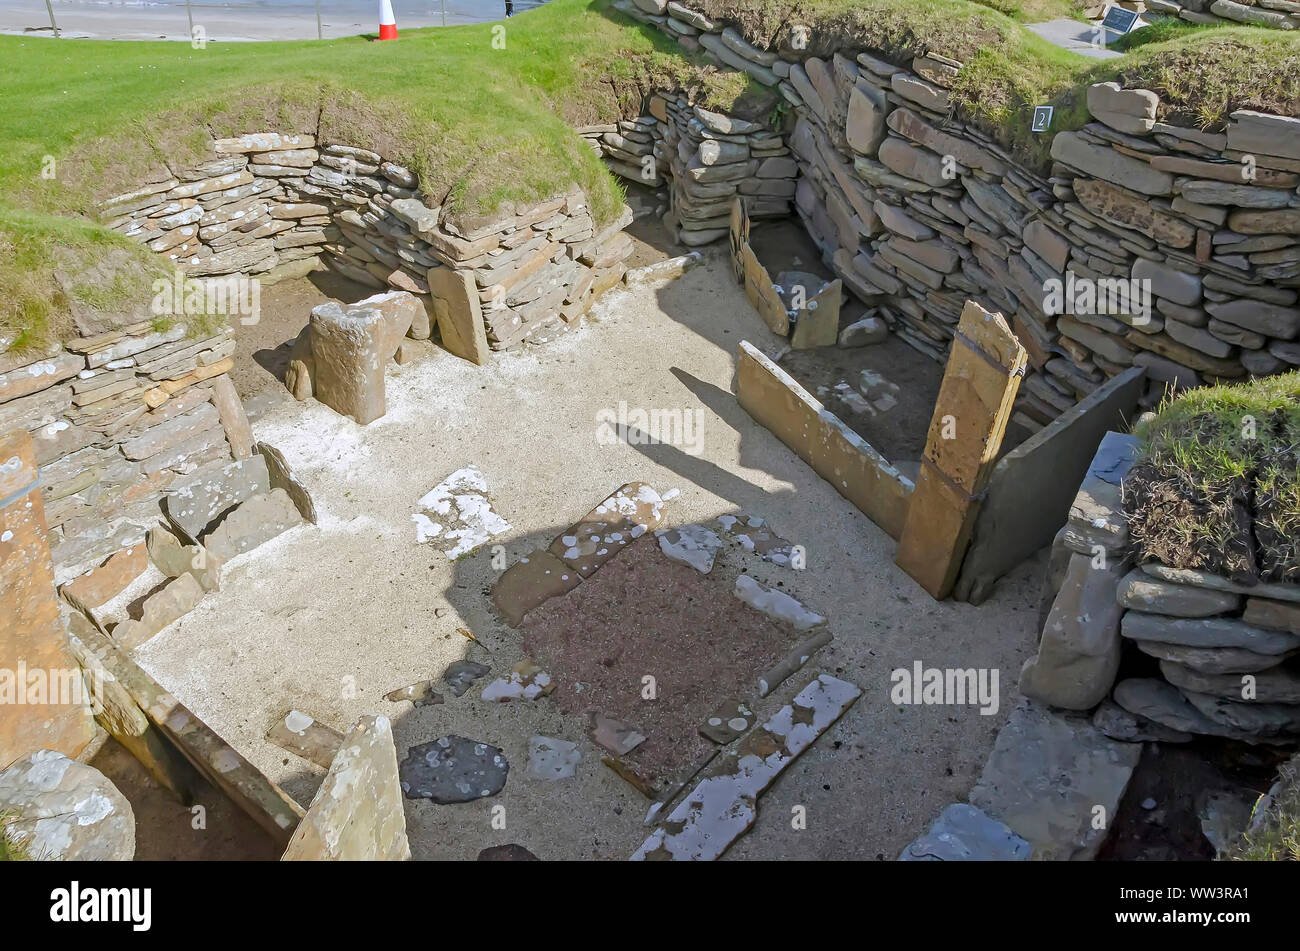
<point>483,123</point>
<point>84,120</point>
<point>1216,486</point>
<point>1202,74</point>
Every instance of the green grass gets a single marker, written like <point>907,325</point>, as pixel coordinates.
<point>10,851</point>
<point>1277,837</point>
<point>1216,484</point>
<point>482,125</point>
<point>1162,29</point>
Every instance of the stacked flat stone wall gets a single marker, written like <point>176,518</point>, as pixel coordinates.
<point>708,158</point>
<point>1278,14</point>
<point>271,198</point>
<point>115,419</point>
<point>917,212</point>
<point>1160,653</point>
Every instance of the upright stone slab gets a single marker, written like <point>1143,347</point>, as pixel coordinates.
<point>970,418</point>
<point>32,634</point>
<point>348,350</point>
<point>819,322</point>
<point>198,501</point>
<point>1097,518</point>
<point>1078,655</point>
<point>738,237</point>
<point>460,316</point>
<point>357,813</point>
<point>233,419</point>
<point>1032,486</point>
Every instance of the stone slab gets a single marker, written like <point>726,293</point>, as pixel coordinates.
<point>1034,485</point>
<point>1045,777</point>
<point>357,813</point>
<point>834,451</point>
<point>963,833</point>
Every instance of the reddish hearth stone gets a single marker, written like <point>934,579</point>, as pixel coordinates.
<point>644,615</point>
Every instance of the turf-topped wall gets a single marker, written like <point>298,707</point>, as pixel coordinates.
<point>270,198</point>
<point>709,158</point>
<point>1175,579</point>
<point>1278,14</point>
<point>917,212</point>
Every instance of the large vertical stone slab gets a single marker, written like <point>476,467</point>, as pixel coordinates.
<point>233,418</point>
<point>819,322</point>
<point>1078,655</point>
<point>1029,494</point>
<point>835,452</point>
<point>970,418</point>
<point>357,814</point>
<point>33,638</point>
<point>460,316</point>
<point>761,293</point>
<point>738,237</point>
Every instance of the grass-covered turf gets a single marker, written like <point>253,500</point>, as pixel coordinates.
<point>1201,75</point>
<point>1275,836</point>
<point>482,125</point>
<point>1216,485</point>
<point>10,851</point>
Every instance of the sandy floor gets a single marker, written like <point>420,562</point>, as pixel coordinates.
<point>330,618</point>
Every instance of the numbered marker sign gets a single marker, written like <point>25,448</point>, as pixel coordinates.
<point>1118,20</point>
<point>1042,118</point>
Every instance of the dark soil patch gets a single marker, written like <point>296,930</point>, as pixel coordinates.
<point>164,829</point>
<point>262,348</point>
<point>643,615</point>
<point>1159,818</point>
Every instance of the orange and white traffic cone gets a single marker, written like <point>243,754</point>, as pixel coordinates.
<point>387,24</point>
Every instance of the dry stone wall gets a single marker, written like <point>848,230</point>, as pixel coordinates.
<point>1205,656</point>
<point>116,418</point>
<point>917,212</point>
<point>270,198</point>
<point>1279,14</point>
<point>707,158</point>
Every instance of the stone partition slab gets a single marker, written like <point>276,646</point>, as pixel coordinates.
<point>835,452</point>
<point>358,812</point>
<point>1029,494</point>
